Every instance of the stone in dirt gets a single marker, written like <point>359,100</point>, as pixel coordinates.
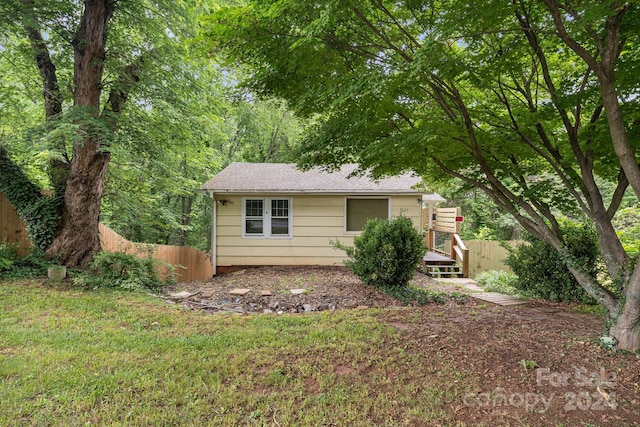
<point>181,295</point>
<point>208,294</point>
<point>239,291</point>
<point>297,291</point>
<point>266,293</point>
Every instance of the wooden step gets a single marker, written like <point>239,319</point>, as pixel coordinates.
<point>436,270</point>
<point>441,266</point>
<point>444,273</point>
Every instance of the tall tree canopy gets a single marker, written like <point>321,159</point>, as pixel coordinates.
<point>167,119</point>
<point>535,102</point>
<point>90,57</point>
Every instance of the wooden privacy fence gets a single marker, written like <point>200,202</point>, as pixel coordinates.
<point>12,229</point>
<point>485,255</point>
<point>191,264</point>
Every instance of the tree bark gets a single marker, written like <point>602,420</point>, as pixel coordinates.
<point>59,168</point>
<point>78,237</point>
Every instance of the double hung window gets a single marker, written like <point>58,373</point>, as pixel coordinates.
<point>266,217</point>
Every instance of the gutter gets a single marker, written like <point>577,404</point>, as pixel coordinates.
<point>214,235</point>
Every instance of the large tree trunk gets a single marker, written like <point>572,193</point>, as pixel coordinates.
<point>626,327</point>
<point>78,238</point>
<point>626,330</point>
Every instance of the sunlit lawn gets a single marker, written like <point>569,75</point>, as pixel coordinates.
<point>80,358</point>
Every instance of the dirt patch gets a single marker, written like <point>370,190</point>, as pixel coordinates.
<point>537,364</point>
<point>270,291</point>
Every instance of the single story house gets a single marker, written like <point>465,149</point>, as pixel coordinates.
<point>275,214</point>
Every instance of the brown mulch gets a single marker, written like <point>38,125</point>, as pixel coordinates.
<point>326,288</point>
<point>537,364</point>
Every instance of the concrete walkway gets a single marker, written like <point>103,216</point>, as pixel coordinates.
<point>479,293</point>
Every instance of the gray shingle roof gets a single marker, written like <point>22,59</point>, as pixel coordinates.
<point>246,178</point>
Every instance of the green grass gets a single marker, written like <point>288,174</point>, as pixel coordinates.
<point>109,358</point>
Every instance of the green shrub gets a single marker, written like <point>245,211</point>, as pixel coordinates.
<point>413,295</point>
<point>123,271</point>
<point>8,255</point>
<point>387,252</point>
<point>499,281</point>
<point>32,266</point>
<point>542,271</point>
<point>627,225</point>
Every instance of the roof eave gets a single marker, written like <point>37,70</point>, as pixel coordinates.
<point>314,192</point>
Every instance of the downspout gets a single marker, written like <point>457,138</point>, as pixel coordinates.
<point>214,243</point>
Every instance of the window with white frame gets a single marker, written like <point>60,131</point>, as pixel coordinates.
<point>266,217</point>
<point>359,210</point>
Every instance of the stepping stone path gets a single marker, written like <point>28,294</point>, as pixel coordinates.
<point>266,293</point>
<point>497,298</point>
<point>181,295</point>
<point>297,291</point>
<point>479,293</point>
<point>208,294</point>
<point>239,291</point>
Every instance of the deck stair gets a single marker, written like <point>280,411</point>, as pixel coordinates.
<point>440,266</point>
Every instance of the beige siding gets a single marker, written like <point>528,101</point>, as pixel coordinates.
<point>317,220</point>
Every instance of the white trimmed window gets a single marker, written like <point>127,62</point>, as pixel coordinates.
<point>359,210</point>
<point>266,217</point>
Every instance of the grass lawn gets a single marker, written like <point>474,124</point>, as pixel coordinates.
<point>106,358</point>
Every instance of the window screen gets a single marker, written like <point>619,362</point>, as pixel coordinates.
<point>360,210</point>
<point>254,221</point>
<point>280,217</point>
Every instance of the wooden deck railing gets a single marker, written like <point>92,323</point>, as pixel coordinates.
<point>458,250</point>
<point>460,253</point>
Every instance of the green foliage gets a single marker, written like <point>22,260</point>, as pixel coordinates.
<point>490,95</point>
<point>498,281</point>
<point>8,255</point>
<point>32,266</point>
<point>483,220</point>
<point>542,271</point>
<point>387,252</point>
<point>37,211</point>
<point>413,295</point>
<point>123,271</point>
<point>627,225</point>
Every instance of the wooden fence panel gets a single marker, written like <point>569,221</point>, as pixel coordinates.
<point>12,229</point>
<point>446,220</point>
<point>191,264</point>
<point>485,255</point>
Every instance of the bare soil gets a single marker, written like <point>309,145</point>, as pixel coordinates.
<point>536,364</point>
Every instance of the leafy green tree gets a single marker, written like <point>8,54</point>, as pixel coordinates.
<point>483,220</point>
<point>89,58</point>
<point>530,101</point>
<point>197,125</point>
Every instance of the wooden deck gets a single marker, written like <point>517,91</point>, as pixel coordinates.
<point>434,257</point>
<point>439,265</point>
